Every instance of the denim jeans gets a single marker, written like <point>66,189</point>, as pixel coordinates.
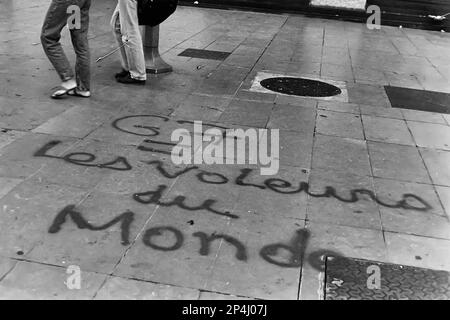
<point>126,28</point>
<point>55,20</point>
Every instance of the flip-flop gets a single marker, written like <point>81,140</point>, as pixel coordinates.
<point>76,93</point>
<point>60,92</point>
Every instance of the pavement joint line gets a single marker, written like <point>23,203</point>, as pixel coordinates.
<point>107,275</point>
<point>9,271</point>
<point>336,136</point>
<point>372,182</point>
<point>367,148</point>
<point>331,224</point>
<point>402,180</point>
<point>266,48</point>
<point>228,294</point>
<point>214,263</point>
<point>308,197</point>
<point>431,179</point>
<point>340,224</point>
<point>393,143</point>
<point>302,257</point>
<point>178,286</point>
<point>113,276</point>
<point>417,235</point>
<point>323,281</point>
<point>433,123</point>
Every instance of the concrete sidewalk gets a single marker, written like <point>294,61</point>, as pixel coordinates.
<point>376,179</point>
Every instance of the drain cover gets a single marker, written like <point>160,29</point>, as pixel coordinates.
<point>300,87</point>
<point>352,279</point>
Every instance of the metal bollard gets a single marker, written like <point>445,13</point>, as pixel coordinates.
<point>155,64</point>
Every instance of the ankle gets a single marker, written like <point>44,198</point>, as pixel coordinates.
<point>68,84</point>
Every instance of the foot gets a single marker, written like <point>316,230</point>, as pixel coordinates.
<point>65,87</point>
<point>79,93</point>
<point>121,74</point>
<point>129,80</point>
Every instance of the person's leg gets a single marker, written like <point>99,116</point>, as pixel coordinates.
<point>132,36</point>
<point>81,46</point>
<point>115,24</point>
<point>55,21</point>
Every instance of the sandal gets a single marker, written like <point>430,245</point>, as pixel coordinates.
<point>81,94</point>
<point>60,92</point>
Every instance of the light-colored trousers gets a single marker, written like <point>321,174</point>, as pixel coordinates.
<point>126,28</point>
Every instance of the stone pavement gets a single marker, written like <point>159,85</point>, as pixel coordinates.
<point>376,179</point>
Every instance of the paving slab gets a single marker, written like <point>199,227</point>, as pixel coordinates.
<point>422,252</point>
<point>342,198</point>
<point>247,113</point>
<point>397,162</point>
<point>168,240</point>
<point>18,159</point>
<point>113,223</point>
<point>296,149</point>
<point>430,135</point>
<point>76,122</point>
<point>205,108</point>
<point>333,152</point>
<point>274,196</point>
<point>7,136</point>
<point>292,118</point>
<point>28,211</point>
<point>26,114</point>
<point>423,209</point>
<point>387,130</point>
<point>340,125</point>
<point>371,95</point>
<point>334,241</point>
<point>437,162</point>
<point>266,271</point>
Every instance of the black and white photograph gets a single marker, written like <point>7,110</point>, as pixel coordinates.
<point>225,155</point>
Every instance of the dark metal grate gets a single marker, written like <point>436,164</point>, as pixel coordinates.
<point>205,54</point>
<point>421,100</point>
<point>347,279</point>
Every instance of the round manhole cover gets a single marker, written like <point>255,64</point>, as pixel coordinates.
<point>300,87</point>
